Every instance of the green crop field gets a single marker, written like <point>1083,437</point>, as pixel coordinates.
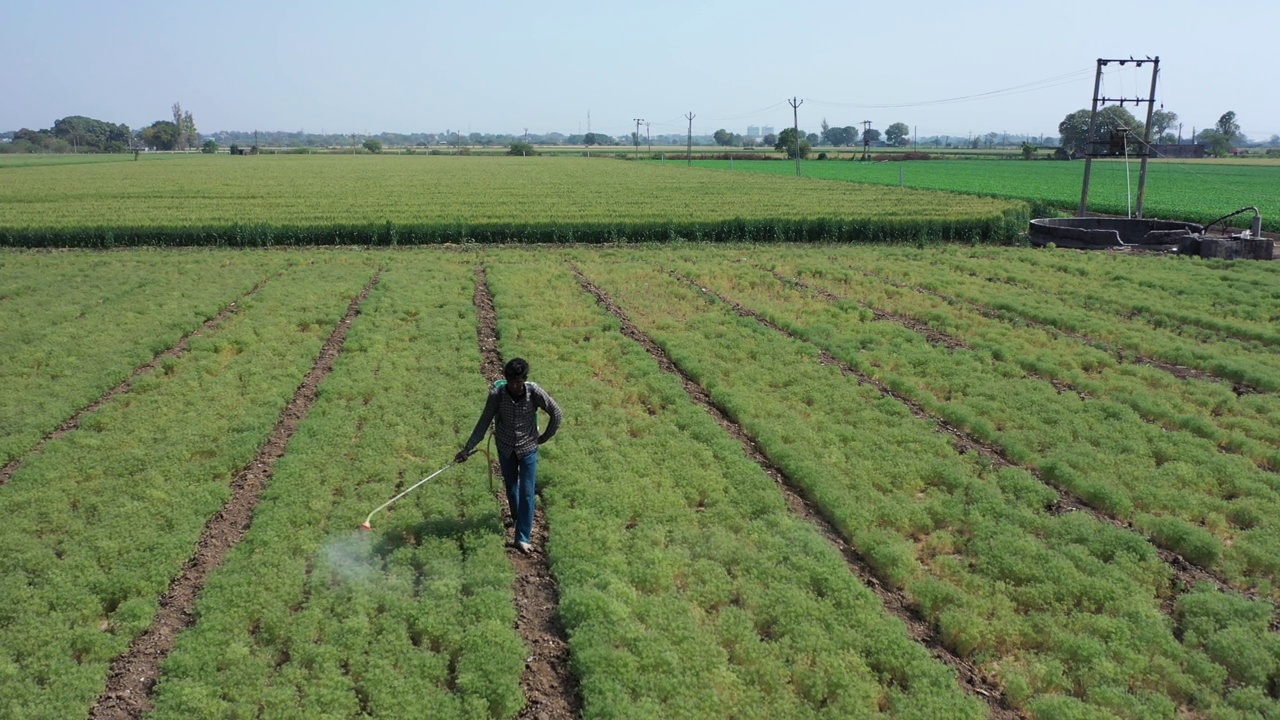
<point>1176,189</point>
<point>402,199</point>
<point>793,481</point>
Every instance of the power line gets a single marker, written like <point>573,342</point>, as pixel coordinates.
<point>1056,81</point>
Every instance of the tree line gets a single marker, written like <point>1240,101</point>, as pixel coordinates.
<point>1114,121</point>
<point>77,133</point>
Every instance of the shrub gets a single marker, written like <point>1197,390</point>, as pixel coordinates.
<point>522,149</point>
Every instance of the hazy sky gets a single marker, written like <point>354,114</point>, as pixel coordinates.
<point>505,66</point>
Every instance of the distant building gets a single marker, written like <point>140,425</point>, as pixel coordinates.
<point>768,130</point>
<point>753,131</point>
<point>1178,151</point>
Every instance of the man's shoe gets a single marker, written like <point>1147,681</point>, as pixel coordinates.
<point>525,547</point>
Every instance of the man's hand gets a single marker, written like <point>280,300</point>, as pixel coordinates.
<point>462,456</point>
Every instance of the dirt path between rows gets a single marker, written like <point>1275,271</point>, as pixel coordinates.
<point>918,627</point>
<point>133,675</point>
<point>1186,575</point>
<point>550,689</point>
<point>177,351</point>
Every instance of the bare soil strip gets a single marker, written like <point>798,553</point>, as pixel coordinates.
<point>133,675</point>
<point>1186,574</point>
<point>179,348</point>
<point>950,342</point>
<point>550,689</point>
<point>918,627</point>
<point>1120,354</point>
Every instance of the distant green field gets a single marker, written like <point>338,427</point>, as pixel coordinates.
<point>401,199</point>
<point>1194,191</point>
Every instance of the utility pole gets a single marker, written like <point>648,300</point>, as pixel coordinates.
<point>648,137</point>
<point>1146,135</point>
<point>526,136</point>
<point>866,142</point>
<point>1089,150</point>
<point>795,116</point>
<point>637,136</point>
<point>689,148</point>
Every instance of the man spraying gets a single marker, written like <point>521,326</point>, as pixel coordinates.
<point>512,407</point>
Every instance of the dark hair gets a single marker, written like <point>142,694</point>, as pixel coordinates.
<point>516,369</point>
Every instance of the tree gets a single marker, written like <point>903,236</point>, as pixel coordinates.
<point>1216,143</point>
<point>1161,121</point>
<point>1074,128</point>
<point>210,147</point>
<point>188,130</point>
<point>847,135</point>
<point>787,142</point>
<point>1228,126</point>
<point>161,135</point>
<point>373,145</point>
<point>771,139</point>
<point>85,133</point>
<point>871,136</point>
<point>723,137</point>
<point>898,134</point>
<point>185,127</point>
<point>521,149</point>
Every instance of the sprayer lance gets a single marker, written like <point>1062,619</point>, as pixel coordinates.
<point>366,525</point>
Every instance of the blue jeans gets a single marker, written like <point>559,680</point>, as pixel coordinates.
<point>520,476</point>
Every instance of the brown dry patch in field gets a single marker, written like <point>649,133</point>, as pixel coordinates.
<point>133,675</point>
<point>896,602</point>
<point>550,689</point>
<point>177,351</point>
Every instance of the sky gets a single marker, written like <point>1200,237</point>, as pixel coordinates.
<point>942,68</point>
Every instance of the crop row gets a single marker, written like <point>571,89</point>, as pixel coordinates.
<point>337,200</point>
<point>1221,289</point>
<point>1226,359</point>
<point>100,522</point>
<point>687,588</point>
<point>1199,192</point>
<point>1188,313</point>
<point>1063,609</point>
<point>76,327</point>
<point>1245,424</point>
<point>1214,509</point>
<point>310,616</point>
